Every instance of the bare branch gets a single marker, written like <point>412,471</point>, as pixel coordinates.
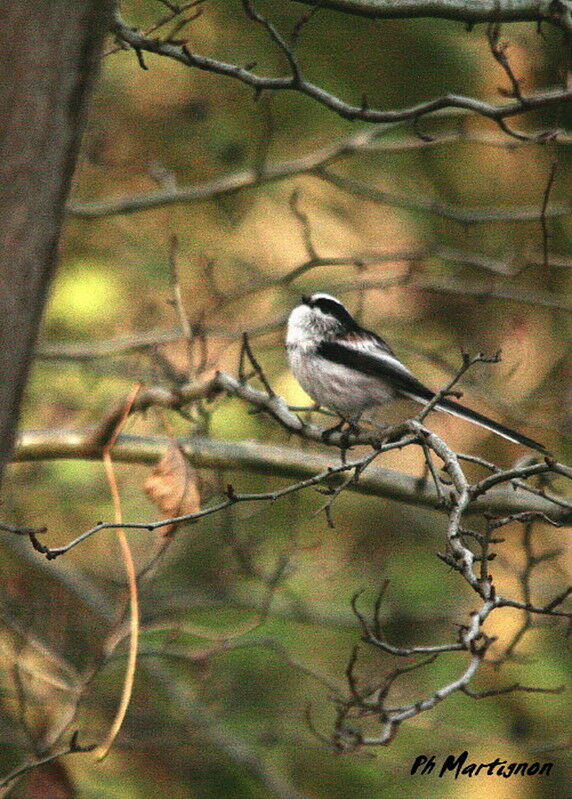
<point>468,361</point>
<point>464,216</point>
<point>472,11</point>
<point>265,459</point>
<point>499,52</point>
<point>295,82</point>
<point>314,164</point>
<point>509,689</point>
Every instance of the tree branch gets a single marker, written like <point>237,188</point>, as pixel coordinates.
<point>295,82</point>
<point>469,11</point>
<point>314,163</point>
<point>259,458</point>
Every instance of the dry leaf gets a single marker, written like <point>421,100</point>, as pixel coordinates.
<point>174,487</point>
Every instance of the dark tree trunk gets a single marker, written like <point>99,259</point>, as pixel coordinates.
<point>49,53</point>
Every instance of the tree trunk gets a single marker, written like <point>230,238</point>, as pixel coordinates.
<point>49,53</point>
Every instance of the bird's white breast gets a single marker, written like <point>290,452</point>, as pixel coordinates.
<point>305,328</point>
<point>342,389</point>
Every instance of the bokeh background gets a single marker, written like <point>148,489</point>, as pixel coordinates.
<point>220,703</point>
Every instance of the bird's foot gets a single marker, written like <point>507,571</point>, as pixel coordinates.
<point>352,429</point>
<point>329,432</point>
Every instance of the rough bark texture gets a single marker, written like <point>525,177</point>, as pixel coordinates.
<point>49,51</point>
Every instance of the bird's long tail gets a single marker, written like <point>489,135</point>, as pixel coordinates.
<point>456,409</point>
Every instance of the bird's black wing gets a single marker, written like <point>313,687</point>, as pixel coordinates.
<point>379,365</point>
<point>390,370</point>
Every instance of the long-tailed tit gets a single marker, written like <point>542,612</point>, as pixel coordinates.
<point>349,369</point>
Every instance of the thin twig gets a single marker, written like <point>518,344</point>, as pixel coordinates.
<point>543,212</point>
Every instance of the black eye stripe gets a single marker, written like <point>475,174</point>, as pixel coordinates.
<point>337,310</point>
<point>330,306</point>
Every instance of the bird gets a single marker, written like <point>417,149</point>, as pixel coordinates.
<point>349,369</point>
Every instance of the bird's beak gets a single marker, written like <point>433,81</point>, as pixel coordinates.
<point>306,300</point>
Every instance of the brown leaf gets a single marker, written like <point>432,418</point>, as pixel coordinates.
<point>174,487</point>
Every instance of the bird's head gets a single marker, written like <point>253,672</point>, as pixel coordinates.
<point>320,316</point>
